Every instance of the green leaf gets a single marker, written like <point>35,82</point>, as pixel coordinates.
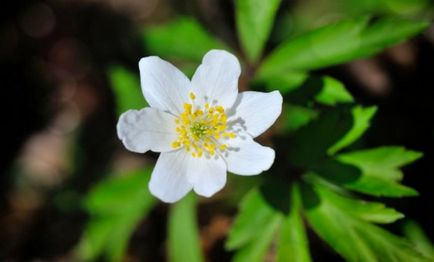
<point>324,90</point>
<point>116,206</point>
<point>183,38</point>
<point>126,88</point>
<point>338,43</point>
<point>183,231</point>
<point>333,92</point>
<point>286,82</point>
<point>308,148</point>
<point>293,242</point>
<point>350,235</point>
<point>418,237</point>
<point>253,229</point>
<point>380,174</point>
<point>254,22</point>
<point>297,116</point>
<point>361,122</point>
<point>364,210</point>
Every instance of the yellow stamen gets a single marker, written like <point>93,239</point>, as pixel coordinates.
<point>200,130</point>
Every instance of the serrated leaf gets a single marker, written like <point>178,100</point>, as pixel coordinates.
<point>293,242</point>
<point>183,231</point>
<point>253,229</point>
<point>183,38</point>
<point>338,43</point>
<point>352,237</point>
<point>380,173</point>
<point>126,88</point>
<point>254,20</point>
<point>116,206</point>
<point>333,92</point>
<point>361,122</point>
<point>364,210</point>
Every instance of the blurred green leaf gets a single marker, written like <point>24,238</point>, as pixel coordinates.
<point>126,87</point>
<point>351,235</point>
<point>333,92</point>
<point>116,206</point>
<point>380,170</point>
<point>183,231</point>
<point>361,122</point>
<point>253,229</point>
<point>414,232</point>
<point>254,20</point>
<point>183,38</point>
<point>286,82</point>
<point>297,116</point>
<point>338,43</point>
<point>293,244</point>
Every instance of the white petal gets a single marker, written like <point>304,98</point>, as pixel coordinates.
<point>256,111</point>
<point>147,129</point>
<point>216,79</point>
<point>208,175</point>
<point>246,157</point>
<point>163,85</point>
<point>169,179</point>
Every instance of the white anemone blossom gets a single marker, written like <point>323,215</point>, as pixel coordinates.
<point>203,127</point>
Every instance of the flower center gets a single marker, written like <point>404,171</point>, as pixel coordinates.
<point>200,130</point>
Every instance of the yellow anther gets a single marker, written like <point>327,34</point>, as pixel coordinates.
<point>200,130</point>
<point>192,96</point>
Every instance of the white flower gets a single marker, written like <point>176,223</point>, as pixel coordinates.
<point>203,127</point>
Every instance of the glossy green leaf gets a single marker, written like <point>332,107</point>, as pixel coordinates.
<point>253,229</point>
<point>350,235</point>
<point>333,92</point>
<point>293,243</point>
<point>183,231</point>
<point>254,20</point>
<point>126,88</point>
<point>338,43</point>
<point>116,206</point>
<point>361,122</point>
<point>380,173</point>
<point>183,38</point>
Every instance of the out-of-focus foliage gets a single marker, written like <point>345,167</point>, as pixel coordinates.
<point>417,236</point>
<point>254,21</point>
<point>183,232</point>
<point>323,178</point>
<point>116,206</point>
<point>126,86</point>
<point>337,43</point>
<point>181,39</point>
